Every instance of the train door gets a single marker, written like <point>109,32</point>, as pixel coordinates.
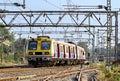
<point>61,51</point>
<point>79,52</point>
<point>76,53</point>
<point>73,52</point>
<point>55,50</point>
<point>66,51</point>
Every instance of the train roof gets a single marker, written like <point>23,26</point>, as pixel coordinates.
<point>47,37</point>
<point>67,43</point>
<point>64,42</point>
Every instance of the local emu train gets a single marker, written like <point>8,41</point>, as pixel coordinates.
<point>44,50</point>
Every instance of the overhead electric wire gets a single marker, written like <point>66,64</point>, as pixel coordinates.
<point>52,4</point>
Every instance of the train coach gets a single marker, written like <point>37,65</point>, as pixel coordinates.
<point>44,50</point>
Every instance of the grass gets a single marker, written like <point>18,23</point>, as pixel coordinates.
<point>9,60</point>
<point>110,73</point>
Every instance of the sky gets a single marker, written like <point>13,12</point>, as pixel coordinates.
<point>57,4</point>
<point>34,5</point>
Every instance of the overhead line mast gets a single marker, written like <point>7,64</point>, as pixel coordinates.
<point>109,5</point>
<point>109,30</point>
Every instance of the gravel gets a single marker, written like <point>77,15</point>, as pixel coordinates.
<point>41,70</point>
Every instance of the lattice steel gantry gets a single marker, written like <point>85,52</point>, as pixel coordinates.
<point>57,19</point>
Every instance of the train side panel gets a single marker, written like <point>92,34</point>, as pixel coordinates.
<point>55,49</point>
<point>81,53</point>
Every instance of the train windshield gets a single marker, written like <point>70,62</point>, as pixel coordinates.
<point>45,45</point>
<point>32,45</point>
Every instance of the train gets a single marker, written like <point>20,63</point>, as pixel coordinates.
<point>44,50</point>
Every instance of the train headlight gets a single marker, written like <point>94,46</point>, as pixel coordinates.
<point>33,53</point>
<point>46,53</point>
<point>30,53</point>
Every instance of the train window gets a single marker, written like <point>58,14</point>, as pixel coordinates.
<point>73,50</point>
<point>67,50</point>
<point>61,48</point>
<point>45,45</point>
<point>32,45</point>
<point>83,53</point>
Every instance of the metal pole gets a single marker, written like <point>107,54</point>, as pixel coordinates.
<point>116,35</point>
<point>93,43</point>
<point>109,30</point>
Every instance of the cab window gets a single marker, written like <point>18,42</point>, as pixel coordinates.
<point>32,45</point>
<point>45,45</point>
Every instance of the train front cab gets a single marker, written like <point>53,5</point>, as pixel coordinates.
<point>39,51</point>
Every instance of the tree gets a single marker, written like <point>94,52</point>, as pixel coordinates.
<point>20,47</point>
<point>5,35</point>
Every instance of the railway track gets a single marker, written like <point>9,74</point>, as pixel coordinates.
<point>15,66</point>
<point>64,73</point>
<point>49,74</point>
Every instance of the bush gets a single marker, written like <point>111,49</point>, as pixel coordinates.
<point>107,74</point>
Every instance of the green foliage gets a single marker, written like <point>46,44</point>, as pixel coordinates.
<point>1,25</point>
<point>1,51</point>
<point>110,75</point>
<point>107,73</point>
<point>20,45</point>
<point>14,52</point>
<point>4,49</point>
<point>117,78</point>
<point>9,58</point>
<point>116,73</point>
